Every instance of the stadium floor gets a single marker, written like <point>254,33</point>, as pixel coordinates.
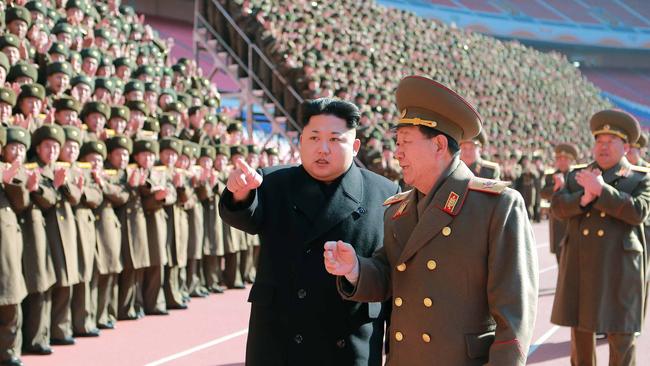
<point>213,332</point>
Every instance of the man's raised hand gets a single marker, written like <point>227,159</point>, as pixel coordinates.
<point>242,180</point>
<point>341,260</point>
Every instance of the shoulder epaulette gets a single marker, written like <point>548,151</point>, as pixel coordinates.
<point>110,172</point>
<point>84,165</point>
<point>110,132</point>
<point>488,185</point>
<point>132,166</point>
<point>31,166</point>
<point>84,127</point>
<point>549,171</point>
<point>490,164</point>
<point>579,166</point>
<point>397,198</point>
<point>640,169</point>
<point>62,164</point>
<point>160,167</point>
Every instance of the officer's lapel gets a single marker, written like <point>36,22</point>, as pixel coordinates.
<point>345,200</point>
<point>444,206</point>
<point>405,221</point>
<point>620,170</point>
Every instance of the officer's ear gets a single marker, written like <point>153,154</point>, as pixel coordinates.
<point>441,143</point>
<point>626,148</point>
<point>356,145</point>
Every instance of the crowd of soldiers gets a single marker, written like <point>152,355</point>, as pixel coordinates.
<point>113,160</point>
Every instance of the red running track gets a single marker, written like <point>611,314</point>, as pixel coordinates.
<point>212,332</point>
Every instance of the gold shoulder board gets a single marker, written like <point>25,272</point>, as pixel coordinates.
<point>62,164</point>
<point>110,132</point>
<point>110,171</point>
<point>579,166</point>
<point>397,198</point>
<point>160,167</point>
<point>132,166</point>
<point>490,164</point>
<point>488,185</point>
<point>640,169</point>
<point>84,165</point>
<point>31,166</point>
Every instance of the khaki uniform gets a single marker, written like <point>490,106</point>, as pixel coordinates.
<point>109,243</point>
<point>526,185</point>
<point>557,228</point>
<point>213,244</point>
<point>460,297</point>
<point>177,241</point>
<point>61,229</point>
<point>601,281</point>
<point>84,294</point>
<point>196,223</point>
<point>13,197</point>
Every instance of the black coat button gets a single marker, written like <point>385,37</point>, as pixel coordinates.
<point>302,293</point>
<point>297,339</point>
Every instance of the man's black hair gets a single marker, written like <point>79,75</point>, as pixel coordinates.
<point>334,107</point>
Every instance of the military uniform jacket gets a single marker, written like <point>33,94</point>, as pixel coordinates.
<point>485,169</point>
<point>463,275</point>
<point>195,225</point>
<point>135,246</point>
<point>61,228</point>
<point>557,227</point>
<point>13,197</point>
<point>155,213</point>
<point>297,316</point>
<point>178,227</point>
<point>91,198</point>
<point>213,225</point>
<point>601,279</point>
<point>38,267</point>
<point>108,226</point>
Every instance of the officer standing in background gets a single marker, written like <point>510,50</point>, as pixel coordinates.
<point>470,154</point>
<point>635,155</point>
<point>601,280</point>
<point>554,180</point>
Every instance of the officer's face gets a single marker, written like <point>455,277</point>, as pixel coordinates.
<point>14,152</point>
<point>70,151</point>
<point>58,82</point>
<point>633,155</point>
<point>31,106</point>
<point>419,156</point>
<point>145,159</point>
<point>95,160</point>
<point>469,152</point>
<point>89,66</point>
<point>117,124</point>
<point>119,158</point>
<point>12,53</point>
<point>327,147</point>
<point>5,111</point>
<point>66,117</point>
<point>220,162</point>
<point>609,150</point>
<point>3,75</point>
<point>168,157</point>
<point>563,162</point>
<point>95,122</point>
<point>18,28</point>
<point>205,162</point>
<point>48,151</point>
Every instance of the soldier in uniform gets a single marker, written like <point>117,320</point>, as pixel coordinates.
<point>635,154</point>
<point>7,103</point>
<point>470,154</point>
<point>460,297</point>
<point>235,243</point>
<point>14,197</point>
<point>526,184</point>
<point>601,278</point>
<point>554,180</point>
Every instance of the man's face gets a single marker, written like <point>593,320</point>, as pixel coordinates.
<point>14,151</point>
<point>253,160</point>
<point>48,151</point>
<point>66,117</point>
<point>119,158</point>
<point>58,82</point>
<point>469,152</point>
<point>563,163</point>
<point>70,151</point>
<point>168,157</point>
<point>3,76</point>
<point>89,66</point>
<point>145,159</point>
<point>416,154</point>
<point>30,106</point>
<point>220,163</point>
<point>18,28</point>
<point>5,111</point>
<point>117,124</point>
<point>83,91</point>
<point>327,147</point>
<point>634,155</point>
<point>183,162</point>
<point>12,53</point>
<point>205,162</point>
<point>95,122</point>
<point>95,160</point>
<point>167,130</point>
<point>135,95</point>
<point>608,150</point>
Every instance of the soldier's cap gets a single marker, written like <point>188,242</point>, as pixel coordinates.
<point>188,149</point>
<point>118,84</point>
<point>91,53</point>
<point>185,99</point>
<point>376,134</point>
<point>196,149</point>
<point>4,62</point>
<point>424,102</point>
<point>194,110</point>
<point>75,4</point>
<point>210,119</point>
<point>95,107</point>
<point>253,149</point>
<point>123,61</point>
<point>235,126</point>
<point>58,67</point>
<point>212,102</point>
<point>9,40</point>
<point>48,132</point>
<point>480,139</point>
<point>105,83</point>
<point>120,111</point>
<point>134,85</point>
<point>222,150</point>
<point>22,69</point>
<point>238,150</point>
<point>144,70</point>
<point>615,122</point>
<point>152,87</point>
<point>97,147</point>
<point>66,103</point>
<point>146,145</point>
<point>151,124</point>
<point>106,61</point>
<point>73,133</point>
<point>3,136</point>
<point>172,144</point>
<point>59,48</point>
<point>169,119</point>
<point>175,107</point>
<point>208,151</point>
<point>388,144</point>
<point>179,68</point>
<point>36,6</point>
<point>17,134</point>
<point>641,142</point>
<point>62,27</point>
<point>18,13</point>
<point>566,149</point>
<point>32,91</point>
<point>168,91</point>
<point>7,96</point>
<point>138,105</point>
<point>119,142</point>
<point>102,33</point>
<point>82,79</point>
<point>272,151</point>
